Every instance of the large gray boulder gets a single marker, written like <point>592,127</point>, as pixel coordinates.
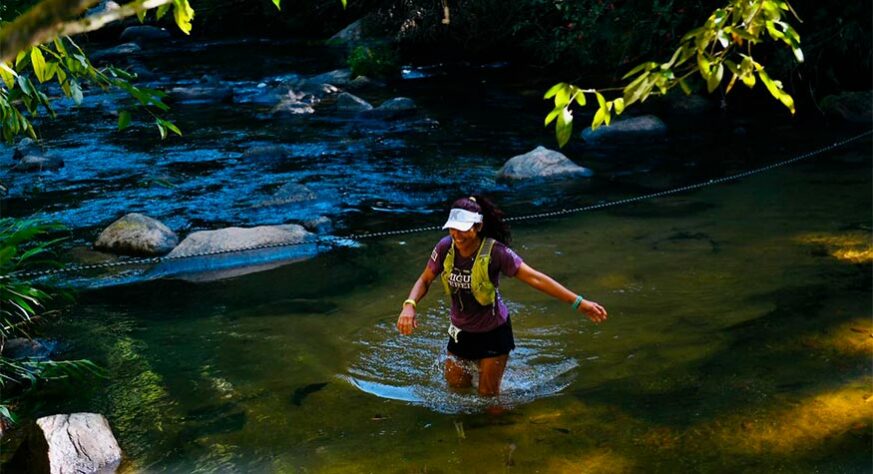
<point>239,238</point>
<point>349,103</point>
<point>855,107</point>
<point>540,163</point>
<point>350,34</point>
<point>71,444</point>
<point>136,234</point>
<point>633,129</point>
<point>24,348</point>
<point>337,77</point>
<point>144,34</point>
<point>394,108</point>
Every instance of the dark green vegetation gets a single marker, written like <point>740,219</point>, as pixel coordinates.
<point>22,306</point>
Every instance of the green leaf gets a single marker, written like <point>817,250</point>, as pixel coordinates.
<point>76,92</point>
<point>554,90</point>
<point>619,105</point>
<point>22,56</point>
<point>599,117</point>
<point>38,62</point>
<point>162,10</point>
<point>344,3</point>
<point>278,4</point>
<point>25,85</point>
<point>141,14</point>
<point>161,129</point>
<point>647,66</point>
<point>553,115</point>
<point>59,46</point>
<point>703,65</point>
<point>183,14</point>
<point>123,120</point>
<point>8,75</point>
<point>562,98</point>
<point>580,98</point>
<point>684,86</point>
<point>714,79</point>
<point>564,127</point>
<point>165,125</point>
<point>600,100</point>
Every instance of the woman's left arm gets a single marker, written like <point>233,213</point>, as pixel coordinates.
<point>547,285</point>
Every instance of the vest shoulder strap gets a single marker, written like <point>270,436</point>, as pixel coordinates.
<point>485,249</point>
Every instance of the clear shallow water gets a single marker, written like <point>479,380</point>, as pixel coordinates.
<point>738,339</point>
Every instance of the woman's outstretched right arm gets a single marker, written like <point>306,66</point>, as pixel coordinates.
<point>406,321</point>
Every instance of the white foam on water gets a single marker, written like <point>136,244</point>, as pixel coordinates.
<point>410,369</point>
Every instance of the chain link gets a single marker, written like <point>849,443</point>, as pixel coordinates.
<point>132,262</point>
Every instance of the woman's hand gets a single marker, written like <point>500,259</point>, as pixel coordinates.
<point>406,322</point>
<point>595,312</point>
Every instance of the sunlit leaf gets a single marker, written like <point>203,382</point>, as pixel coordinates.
<point>183,14</point>
<point>564,127</point>
<point>552,115</point>
<point>37,60</point>
<point>715,77</point>
<point>8,75</point>
<point>278,4</point>
<point>554,90</point>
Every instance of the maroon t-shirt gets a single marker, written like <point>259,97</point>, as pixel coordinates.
<point>467,313</point>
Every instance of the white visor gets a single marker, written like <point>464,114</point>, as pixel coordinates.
<point>462,219</point>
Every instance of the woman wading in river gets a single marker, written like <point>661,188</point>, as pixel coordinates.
<point>469,262</point>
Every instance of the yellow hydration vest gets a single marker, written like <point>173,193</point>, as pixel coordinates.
<point>480,284</point>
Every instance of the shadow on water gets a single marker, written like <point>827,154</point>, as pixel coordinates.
<point>767,358</point>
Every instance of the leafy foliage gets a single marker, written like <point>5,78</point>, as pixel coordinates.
<point>375,61</point>
<point>721,47</point>
<point>20,305</point>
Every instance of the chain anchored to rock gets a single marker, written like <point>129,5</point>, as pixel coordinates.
<point>334,240</point>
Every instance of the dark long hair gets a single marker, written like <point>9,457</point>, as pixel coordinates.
<point>492,217</point>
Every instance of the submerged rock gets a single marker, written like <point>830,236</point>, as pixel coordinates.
<point>27,146</point>
<point>67,444</point>
<point>346,102</point>
<point>23,348</point>
<point>39,163</point>
<point>119,51</point>
<point>144,34</point>
<point>633,129</point>
<point>205,94</point>
<point>295,103</point>
<point>136,234</point>
<point>394,108</point>
<point>289,193</point>
<point>540,163</point>
<point>855,107</point>
<point>265,153</point>
<point>320,224</point>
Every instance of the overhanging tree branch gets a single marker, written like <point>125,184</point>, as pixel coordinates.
<point>52,18</point>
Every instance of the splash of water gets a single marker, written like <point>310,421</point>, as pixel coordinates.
<point>410,369</point>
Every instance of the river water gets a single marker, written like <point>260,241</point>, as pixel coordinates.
<point>740,326</point>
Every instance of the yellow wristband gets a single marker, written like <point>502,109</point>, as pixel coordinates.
<point>410,301</point>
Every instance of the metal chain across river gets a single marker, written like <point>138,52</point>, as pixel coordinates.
<point>390,233</point>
